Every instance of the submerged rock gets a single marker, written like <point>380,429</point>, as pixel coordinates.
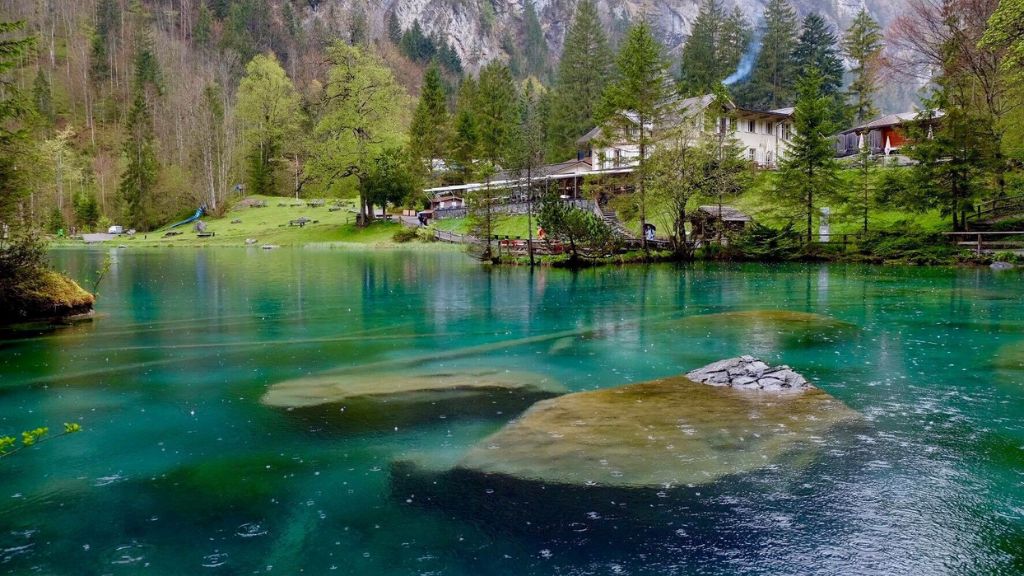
<point>391,398</point>
<point>757,327</point>
<point>660,434</point>
<point>1001,266</point>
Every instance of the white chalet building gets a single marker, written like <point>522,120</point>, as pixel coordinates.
<point>762,135</point>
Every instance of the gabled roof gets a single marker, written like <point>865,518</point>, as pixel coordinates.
<point>729,213</point>
<point>890,120</point>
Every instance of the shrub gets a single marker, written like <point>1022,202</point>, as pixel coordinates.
<point>764,243</point>
<point>405,235</point>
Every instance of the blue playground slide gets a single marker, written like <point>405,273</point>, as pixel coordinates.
<point>196,216</point>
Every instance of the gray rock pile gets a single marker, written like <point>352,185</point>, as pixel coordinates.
<point>749,373</point>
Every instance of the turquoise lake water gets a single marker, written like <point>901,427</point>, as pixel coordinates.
<point>181,470</point>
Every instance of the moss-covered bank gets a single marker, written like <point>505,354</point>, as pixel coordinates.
<point>44,295</point>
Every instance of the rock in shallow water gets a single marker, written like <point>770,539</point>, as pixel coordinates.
<point>663,433</point>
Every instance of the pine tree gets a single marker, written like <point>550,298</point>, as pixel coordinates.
<point>358,32</point>
<point>394,28</point>
<point>203,31</point>
<point>108,24</point>
<point>636,103</point>
<point>495,111</point>
<point>701,68</point>
<point>464,146</point>
<point>42,96</point>
<point>809,169</point>
<point>736,37</point>
<point>143,169</point>
<point>535,48</point>
<point>429,132</point>
<point>13,184</point>
<point>818,48</point>
<point>582,74</point>
<point>863,46</point>
<point>774,72</point>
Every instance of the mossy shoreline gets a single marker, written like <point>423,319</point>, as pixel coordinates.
<point>47,296</point>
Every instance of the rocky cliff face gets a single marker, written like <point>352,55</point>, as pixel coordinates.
<point>476,28</point>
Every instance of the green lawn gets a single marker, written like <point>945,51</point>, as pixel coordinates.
<point>511,226</point>
<point>270,225</point>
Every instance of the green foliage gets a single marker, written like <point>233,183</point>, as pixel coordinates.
<point>951,155</point>
<point>55,222</point>
<point>405,235</point>
<point>270,114</point>
<point>766,244</point>
<point>394,28</point>
<point>809,170</point>
<point>1006,31</point>
<point>42,96</point>
<point>87,210</point>
<point>465,140</point>
<point>583,234</point>
<point>389,179</point>
<point>14,184</point>
<point>430,131</point>
<point>908,247</point>
<point>863,45</point>
<point>717,41</point>
<point>363,114</point>
<point>774,74</point>
<point>582,74</point>
<point>495,110</point>
<point>418,47</point>
<point>202,33</point>
<point>638,98</point>
<point>818,48</point>
<point>535,47</point>
<point>140,177</point>
<point>247,28</point>
<point>9,445</point>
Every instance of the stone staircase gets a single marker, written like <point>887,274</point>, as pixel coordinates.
<point>613,222</point>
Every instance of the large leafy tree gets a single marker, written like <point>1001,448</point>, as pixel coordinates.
<point>809,170</point>
<point>717,41</point>
<point>638,100</point>
<point>143,169</point>
<point>269,110</point>
<point>582,74</point>
<point>430,131</point>
<point>774,73</point>
<point>863,45</point>
<point>363,114</point>
<point>389,179</point>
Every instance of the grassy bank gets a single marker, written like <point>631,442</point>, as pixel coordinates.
<point>273,225</point>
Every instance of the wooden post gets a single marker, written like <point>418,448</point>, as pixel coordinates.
<point>979,243</point>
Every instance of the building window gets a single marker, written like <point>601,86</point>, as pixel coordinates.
<point>769,127</point>
<point>752,154</point>
<point>751,126</point>
<point>618,157</point>
<point>786,132</point>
